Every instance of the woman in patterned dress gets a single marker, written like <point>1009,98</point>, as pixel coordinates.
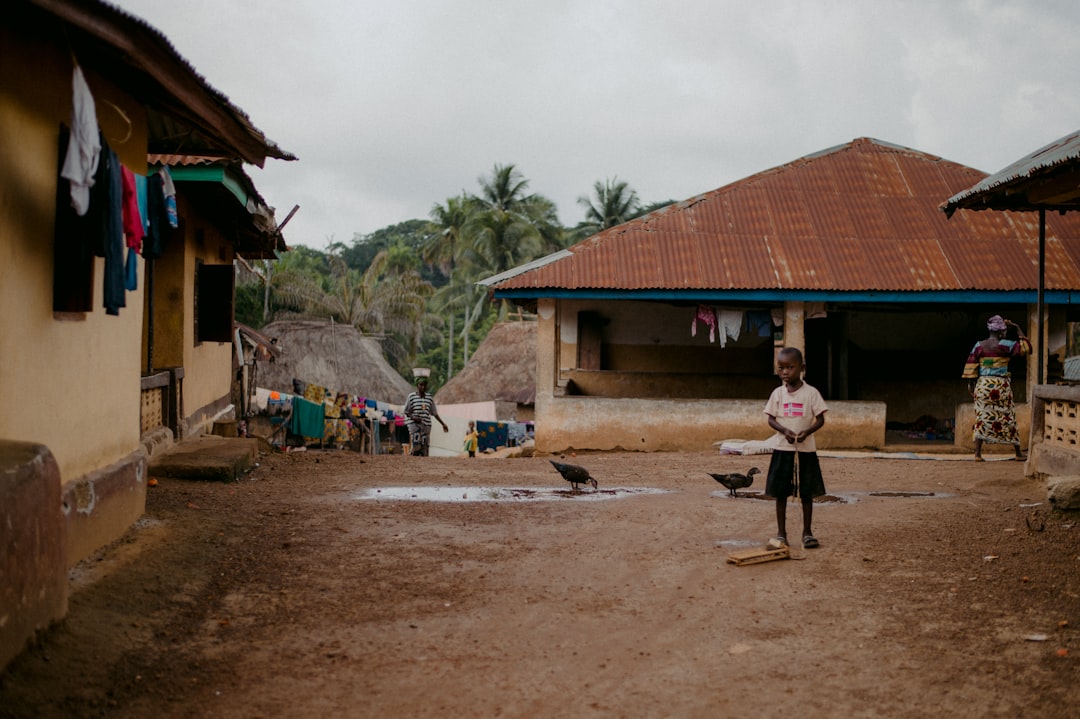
<point>988,367</point>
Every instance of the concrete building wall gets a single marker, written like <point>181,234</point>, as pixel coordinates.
<point>652,425</point>
<point>904,364</point>
<point>208,365</point>
<point>658,423</point>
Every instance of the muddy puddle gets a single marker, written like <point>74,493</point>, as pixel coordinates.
<point>500,494</point>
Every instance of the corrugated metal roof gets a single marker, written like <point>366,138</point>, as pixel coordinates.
<point>185,114</point>
<point>855,218</point>
<point>181,160</point>
<point>1030,183</point>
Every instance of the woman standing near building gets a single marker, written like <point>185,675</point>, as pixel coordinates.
<point>991,386</point>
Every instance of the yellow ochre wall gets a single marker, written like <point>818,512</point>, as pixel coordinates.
<point>207,383</point>
<point>207,365</point>
<point>70,382</point>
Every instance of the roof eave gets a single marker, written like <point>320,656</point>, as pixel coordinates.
<point>148,66</point>
<point>528,266</point>
<point>1047,179</point>
<point>259,236</point>
<point>968,296</point>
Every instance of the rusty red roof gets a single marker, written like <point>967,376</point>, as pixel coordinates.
<point>860,217</point>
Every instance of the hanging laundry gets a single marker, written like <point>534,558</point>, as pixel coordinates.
<point>158,227</point>
<point>707,315</point>
<point>75,239</point>
<point>728,324</point>
<point>516,433</point>
<point>492,435</point>
<point>84,147</point>
<point>131,270</point>
<point>306,419</point>
<point>133,225</point>
<point>759,323</point>
<point>260,399</point>
<point>112,235</point>
<point>133,228</point>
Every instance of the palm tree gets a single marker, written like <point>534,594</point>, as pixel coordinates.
<point>614,203</point>
<point>505,229</point>
<point>447,236</point>
<point>446,233</point>
<point>400,303</point>
<point>505,190</point>
<point>475,236</point>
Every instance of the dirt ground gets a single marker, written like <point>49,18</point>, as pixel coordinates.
<point>286,594</point>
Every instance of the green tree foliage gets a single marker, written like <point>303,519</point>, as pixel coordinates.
<point>249,303</point>
<point>411,234</point>
<point>413,284</point>
<point>654,206</point>
<point>613,203</point>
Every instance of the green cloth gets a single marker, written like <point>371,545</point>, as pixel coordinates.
<point>307,419</point>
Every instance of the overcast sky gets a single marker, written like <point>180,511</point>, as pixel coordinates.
<point>396,105</point>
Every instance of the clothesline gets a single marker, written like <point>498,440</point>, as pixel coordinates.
<point>725,324</point>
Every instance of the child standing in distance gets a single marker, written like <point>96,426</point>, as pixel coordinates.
<point>472,439</point>
<point>795,410</point>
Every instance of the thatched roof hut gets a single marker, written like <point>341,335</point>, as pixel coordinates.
<point>503,368</point>
<point>332,355</point>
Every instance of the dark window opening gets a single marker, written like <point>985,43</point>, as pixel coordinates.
<point>213,302</point>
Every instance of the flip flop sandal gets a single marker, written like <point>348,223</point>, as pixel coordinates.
<point>809,542</point>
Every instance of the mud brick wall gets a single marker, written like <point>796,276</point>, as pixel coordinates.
<point>33,548</point>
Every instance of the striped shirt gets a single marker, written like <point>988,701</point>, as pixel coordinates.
<point>419,410</point>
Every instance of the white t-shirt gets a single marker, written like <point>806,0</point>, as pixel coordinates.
<point>796,411</point>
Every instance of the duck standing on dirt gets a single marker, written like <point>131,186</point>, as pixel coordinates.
<point>735,481</point>
<point>574,474</point>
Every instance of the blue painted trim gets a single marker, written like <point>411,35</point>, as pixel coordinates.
<point>1053,297</point>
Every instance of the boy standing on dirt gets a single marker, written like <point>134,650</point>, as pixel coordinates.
<point>795,410</point>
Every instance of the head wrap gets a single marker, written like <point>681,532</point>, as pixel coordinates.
<point>996,324</point>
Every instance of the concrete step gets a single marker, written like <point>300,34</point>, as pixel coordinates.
<point>206,457</point>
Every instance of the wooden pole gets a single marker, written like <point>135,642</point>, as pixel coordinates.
<point>1040,342</point>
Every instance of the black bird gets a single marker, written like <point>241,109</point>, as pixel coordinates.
<point>736,481</point>
<point>574,474</point>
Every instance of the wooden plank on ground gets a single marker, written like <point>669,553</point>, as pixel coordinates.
<point>757,556</point>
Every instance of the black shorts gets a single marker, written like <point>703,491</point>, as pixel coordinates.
<point>782,471</point>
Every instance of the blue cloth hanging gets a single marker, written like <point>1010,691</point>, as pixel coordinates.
<point>492,435</point>
<point>131,273</point>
